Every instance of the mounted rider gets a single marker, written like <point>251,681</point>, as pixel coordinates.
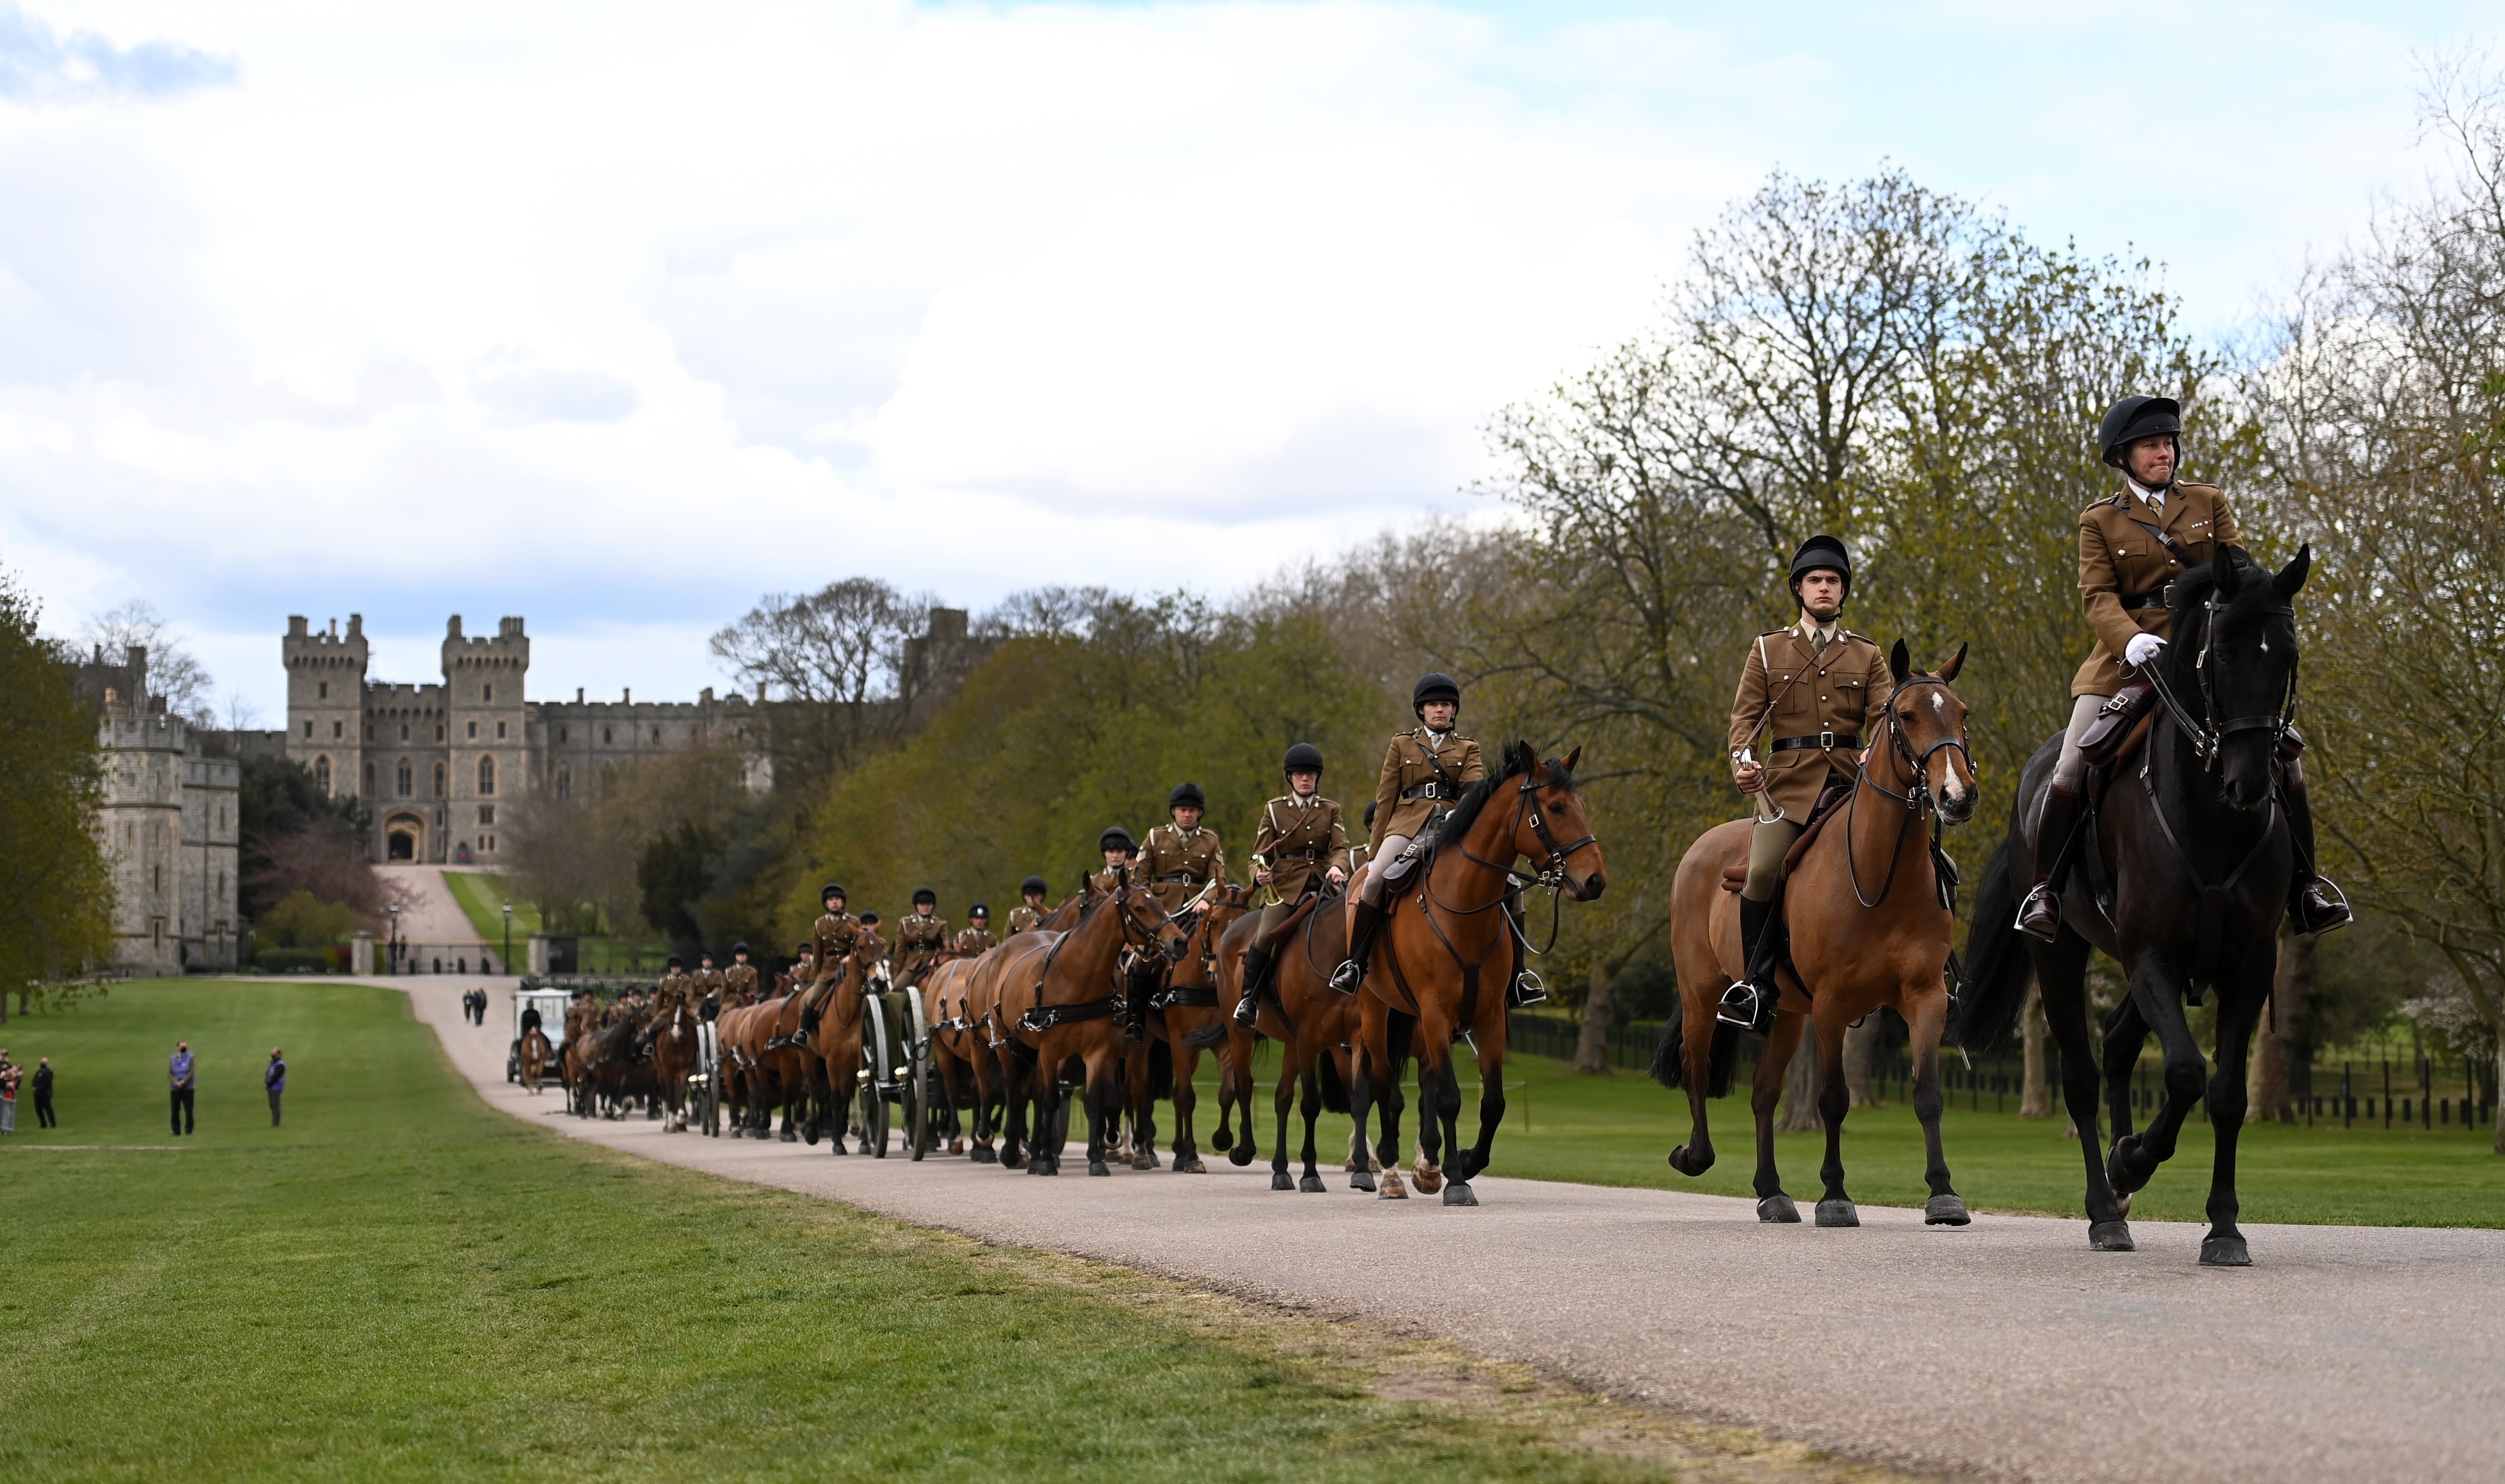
<point>2131,547</point>
<point>1120,852</point>
<point>1029,913</point>
<point>922,940</point>
<point>704,986</point>
<point>1819,688</point>
<point>976,936</point>
<point>674,973</point>
<point>830,942</point>
<point>798,975</point>
<point>1423,771</point>
<point>1182,857</point>
<point>1300,843</point>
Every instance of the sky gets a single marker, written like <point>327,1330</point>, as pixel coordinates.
<point>620,316</point>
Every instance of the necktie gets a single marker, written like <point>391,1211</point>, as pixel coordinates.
<point>1817,642</point>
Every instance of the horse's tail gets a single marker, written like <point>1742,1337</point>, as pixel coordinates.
<point>1334,1091</point>
<point>1997,966</point>
<point>1670,1058</point>
<point>1160,1069</point>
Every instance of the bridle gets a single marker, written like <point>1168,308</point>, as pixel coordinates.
<point>2207,737</point>
<point>1551,873</point>
<point>1916,797</point>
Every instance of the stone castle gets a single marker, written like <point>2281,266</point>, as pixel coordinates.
<point>170,821</point>
<point>441,766</point>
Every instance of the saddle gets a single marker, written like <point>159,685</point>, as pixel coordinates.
<point>1831,800</point>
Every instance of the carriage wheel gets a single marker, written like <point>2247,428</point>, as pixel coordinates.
<point>917,1105</point>
<point>877,1073</point>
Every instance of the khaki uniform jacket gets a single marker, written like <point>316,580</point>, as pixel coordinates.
<point>974,940</point>
<point>1179,864</point>
<point>830,943</point>
<point>705,982</point>
<point>670,983</point>
<point>1406,767</point>
<point>919,940</point>
<point>1298,840</point>
<point>1023,918</point>
<point>2120,562</point>
<point>1787,690</point>
<point>739,979</point>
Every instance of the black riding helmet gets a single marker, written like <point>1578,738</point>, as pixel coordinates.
<point>2136,418</point>
<point>1303,758</point>
<point>1821,553</point>
<point>1035,886</point>
<point>1371,806</point>
<point>833,891</point>
<point>736,949</point>
<point>869,919</point>
<point>1117,838</point>
<point>1186,795</point>
<point>923,894</point>
<point>677,962</point>
<point>805,949</point>
<point>1434,686</point>
<point>979,911</point>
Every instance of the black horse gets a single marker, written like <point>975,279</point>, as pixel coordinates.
<point>2183,876</point>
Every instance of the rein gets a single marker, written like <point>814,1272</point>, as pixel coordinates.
<point>1916,797</point>
<point>1551,874</point>
<point>2206,737</point>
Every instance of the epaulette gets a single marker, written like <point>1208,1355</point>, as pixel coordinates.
<point>1771,633</point>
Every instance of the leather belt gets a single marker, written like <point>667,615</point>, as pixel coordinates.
<point>1301,855</point>
<point>1427,790</point>
<point>1824,741</point>
<point>2131,602</point>
<point>1173,880</point>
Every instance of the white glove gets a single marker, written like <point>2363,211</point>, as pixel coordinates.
<point>2142,649</point>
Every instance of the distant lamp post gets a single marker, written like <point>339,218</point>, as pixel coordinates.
<point>391,959</point>
<point>508,937</point>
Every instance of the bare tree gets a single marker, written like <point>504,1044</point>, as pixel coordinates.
<point>172,672</point>
<point>835,660</point>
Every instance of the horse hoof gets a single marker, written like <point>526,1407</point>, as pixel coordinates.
<point>1038,1167</point>
<point>1392,1189</point>
<point>1363,1179</point>
<point>2128,1166</point>
<point>1280,1179</point>
<point>1429,1180</point>
<point>2112,1236</point>
<point>788,1137</point>
<point>1691,1163</point>
<point>2225,1252</point>
<point>1945,1211</point>
<point>1099,1167</point>
<point>1144,1162</point>
<point>1240,1155</point>
<point>1459,1194</point>
<point>982,1156</point>
<point>837,1147</point>
<point>1190,1167</point>
<point>1778,1211</point>
<point>1311,1184</point>
<point>1837,1210</point>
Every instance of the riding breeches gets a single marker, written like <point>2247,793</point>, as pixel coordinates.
<point>1371,889</point>
<point>1769,841</point>
<point>1271,917</point>
<point>2068,768</point>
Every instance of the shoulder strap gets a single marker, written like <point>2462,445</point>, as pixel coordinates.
<point>2170,542</point>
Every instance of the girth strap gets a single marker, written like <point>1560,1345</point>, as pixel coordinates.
<point>1045,1017</point>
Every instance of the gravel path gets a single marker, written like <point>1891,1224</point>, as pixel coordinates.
<point>2006,1350</point>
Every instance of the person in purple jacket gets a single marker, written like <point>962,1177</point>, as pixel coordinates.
<point>178,1074</point>
<point>274,1077</point>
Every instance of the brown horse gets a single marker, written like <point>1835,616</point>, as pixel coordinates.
<point>1870,925</point>
<point>1313,1024</point>
<point>534,1058</point>
<point>955,1046</point>
<point>671,1037</point>
<point>1067,996</point>
<point>1445,956</point>
<point>829,1025</point>
<point>574,1058</point>
<point>1191,1014</point>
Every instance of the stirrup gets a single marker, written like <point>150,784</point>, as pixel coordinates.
<point>1526,989</point>
<point>1746,1005</point>
<point>2335,901</point>
<point>1348,977</point>
<point>2042,896</point>
<point>1248,1010</point>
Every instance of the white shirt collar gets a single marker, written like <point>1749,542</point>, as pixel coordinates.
<point>1810,628</point>
<point>1435,738</point>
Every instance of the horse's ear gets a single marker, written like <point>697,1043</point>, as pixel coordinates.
<point>2228,568</point>
<point>2291,577</point>
<point>1956,662</point>
<point>1572,757</point>
<point>1518,756</point>
<point>1899,663</point>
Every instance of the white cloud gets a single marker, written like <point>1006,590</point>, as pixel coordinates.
<point>618,317</point>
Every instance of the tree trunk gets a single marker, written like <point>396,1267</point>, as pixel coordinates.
<point>2499,1144</point>
<point>2265,1083</point>
<point>1861,1045</point>
<point>1592,1045</point>
<point>1797,1113</point>
<point>2035,1091</point>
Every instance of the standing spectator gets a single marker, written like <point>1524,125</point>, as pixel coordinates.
<point>43,1095</point>
<point>9,1072</point>
<point>178,1073</point>
<point>275,1080</point>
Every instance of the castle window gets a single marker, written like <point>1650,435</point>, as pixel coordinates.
<point>486,775</point>
<point>404,778</point>
<point>560,734</point>
<point>473,731</point>
<point>403,732</point>
<point>338,730</point>
<point>486,814</point>
<point>322,690</point>
<point>439,780</point>
<point>500,732</point>
<point>370,780</point>
<point>308,731</point>
<point>321,774</point>
<point>657,734</point>
<point>565,783</point>
<point>438,731</point>
<point>487,692</point>
<point>369,731</point>
<point>608,735</point>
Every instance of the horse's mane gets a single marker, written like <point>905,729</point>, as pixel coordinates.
<point>1519,760</point>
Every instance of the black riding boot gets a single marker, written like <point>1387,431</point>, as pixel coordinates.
<point>1138,986</point>
<point>1351,973</point>
<point>2039,916</point>
<point>1749,1001</point>
<point>2313,905</point>
<point>1257,973</point>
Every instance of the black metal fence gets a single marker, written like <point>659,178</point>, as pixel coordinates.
<point>438,958</point>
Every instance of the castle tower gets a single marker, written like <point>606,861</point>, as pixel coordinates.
<point>325,687</point>
<point>490,753</point>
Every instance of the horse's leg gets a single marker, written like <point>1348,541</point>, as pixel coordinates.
<point>1834,1100</point>
<point>1015,1094</point>
<point>1103,1104</point>
<point>1043,1098</point>
<point>1930,1015</point>
<point>1143,1111</point>
<point>1765,1092</point>
<point>1313,1110</point>
<point>1186,1102</point>
<point>2157,998</point>
<point>1468,1164</point>
<point>2124,1034</point>
<point>1283,1102</point>
<point>1398,1031</point>
<point>1361,1101</point>
<point>2061,975</point>
<point>1696,1070</point>
<point>2238,1011</point>
<point>1434,1067</point>
<point>1235,1068</point>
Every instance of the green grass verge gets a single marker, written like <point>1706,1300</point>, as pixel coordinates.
<point>1617,1130</point>
<point>404,1284</point>
<point>482,895</point>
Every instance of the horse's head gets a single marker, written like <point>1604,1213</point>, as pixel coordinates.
<point>1548,821</point>
<point>2235,648</point>
<point>1146,921</point>
<point>1926,733</point>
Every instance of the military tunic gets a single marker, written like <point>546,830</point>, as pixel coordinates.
<point>831,942</point>
<point>1023,919</point>
<point>919,942</point>
<point>739,984</point>
<point>1297,841</point>
<point>974,940</point>
<point>2124,570</point>
<point>1178,863</point>
<point>1420,775</point>
<point>1820,709</point>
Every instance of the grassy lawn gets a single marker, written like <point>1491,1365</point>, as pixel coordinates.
<point>1617,1130</point>
<point>482,896</point>
<point>404,1284</point>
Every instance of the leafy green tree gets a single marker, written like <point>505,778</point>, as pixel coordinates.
<point>55,893</point>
